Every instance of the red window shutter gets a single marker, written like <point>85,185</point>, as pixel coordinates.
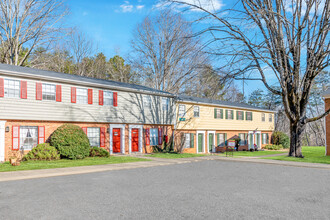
<point>90,96</point>
<point>160,136</point>
<point>166,138</point>
<point>58,93</point>
<point>147,137</point>
<point>73,95</point>
<point>85,130</point>
<point>38,91</point>
<point>23,89</point>
<point>100,97</point>
<point>41,134</point>
<point>15,136</point>
<point>102,137</point>
<point>2,87</point>
<point>115,102</point>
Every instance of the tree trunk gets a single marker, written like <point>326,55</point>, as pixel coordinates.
<point>296,133</point>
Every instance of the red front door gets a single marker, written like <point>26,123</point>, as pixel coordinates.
<point>116,140</point>
<point>135,140</point>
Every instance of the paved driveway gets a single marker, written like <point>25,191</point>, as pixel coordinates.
<point>199,190</point>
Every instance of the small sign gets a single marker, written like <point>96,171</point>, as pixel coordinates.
<point>182,119</point>
<point>231,143</point>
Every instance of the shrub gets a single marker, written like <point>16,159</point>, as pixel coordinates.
<point>71,142</point>
<point>280,138</point>
<point>273,147</point>
<point>98,152</point>
<point>42,152</point>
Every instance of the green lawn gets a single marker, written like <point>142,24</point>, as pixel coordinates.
<point>34,165</point>
<point>312,155</point>
<point>174,155</point>
<point>255,153</point>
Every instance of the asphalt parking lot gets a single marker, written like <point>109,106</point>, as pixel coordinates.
<point>200,190</point>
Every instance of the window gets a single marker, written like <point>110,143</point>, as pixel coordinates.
<point>240,115</point>
<point>165,104</point>
<point>218,113</point>
<point>196,111</point>
<point>182,110</point>
<point>107,98</point>
<point>265,138</point>
<point>243,138</point>
<point>263,117</point>
<point>12,88</point>
<point>221,140</point>
<point>249,116</point>
<point>229,114</point>
<point>147,101</point>
<point>28,137</point>
<point>189,140</point>
<point>48,92</point>
<point>81,96</point>
<point>93,135</point>
<point>153,136</point>
<point>270,117</point>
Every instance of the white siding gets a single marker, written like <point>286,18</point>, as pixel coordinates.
<point>129,110</point>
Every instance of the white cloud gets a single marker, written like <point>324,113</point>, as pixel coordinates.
<point>139,7</point>
<point>210,5</point>
<point>126,7</point>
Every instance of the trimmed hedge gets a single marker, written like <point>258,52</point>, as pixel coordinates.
<point>42,152</point>
<point>98,152</point>
<point>280,138</point>
<point>71,142</point>
<point>273,147</point>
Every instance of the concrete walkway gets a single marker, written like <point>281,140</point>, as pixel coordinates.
<point>31,174</point>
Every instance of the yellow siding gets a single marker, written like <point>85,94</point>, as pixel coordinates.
<point>206,121</point>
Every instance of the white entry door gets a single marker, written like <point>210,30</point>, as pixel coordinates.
<point>2,140</point>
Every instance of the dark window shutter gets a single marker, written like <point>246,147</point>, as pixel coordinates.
<point>102,137</point>
<point>215,113</point>
<point>232,114</point>
<point>23,89</point>
<point>73,94</point>
<point>225,139</point>
<point>237,112</point>
<point>242,115</point>
<point>58,93</point>
<point>100,97</point>
<point>227,114</point>
<point>2,87</point>
<point>115,97</point>
<point>192,141</point>
<point>90,96</point>
<point>221,113</point>
<point>41,134</point>
<point>251,116</point>
<point>160,136</point>
<point>38,91</point>
<point>15,138</point>
<point>267,139</point>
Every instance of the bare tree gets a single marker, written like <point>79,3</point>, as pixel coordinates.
<point>284,39</point>
<point>164,54</point>
<point>27,24</point>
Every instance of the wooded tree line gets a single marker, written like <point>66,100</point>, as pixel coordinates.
<point>288,39</point>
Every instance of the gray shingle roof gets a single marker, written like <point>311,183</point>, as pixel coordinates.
<point>71,77</point>
<point>196,100</point>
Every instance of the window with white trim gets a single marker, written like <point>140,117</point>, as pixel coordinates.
<point>93,135</point>
<point>82,96</point>
<point>243,138</point>
<point>240,115</point>
<point>221,140</point>
<point>218,113</point>
<point>196,111</point>
<point>12,88</point>
<point>270,117</point>
<point>263,117</point>
<point>147,101</point>
<point>153,136</point>
<point>249,116</point>
<point>264,138</point>
<point>230,114</point>
<point>165,103</point>
<point>48,92</point>
<point>182,110</point>
<point>28,137</point>
<point>107,98</point>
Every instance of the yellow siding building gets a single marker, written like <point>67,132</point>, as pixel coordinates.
<point>203,124</point>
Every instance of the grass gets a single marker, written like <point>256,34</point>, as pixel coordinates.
<point>255,153</point>
<point>174,155</point>
<point>89,161</point>
<point>311,155</point>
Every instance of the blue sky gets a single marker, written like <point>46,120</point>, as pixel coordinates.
<point>110,23</point>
